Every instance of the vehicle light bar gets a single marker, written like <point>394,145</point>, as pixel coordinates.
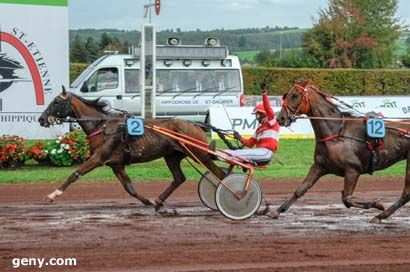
<point>187,52</point>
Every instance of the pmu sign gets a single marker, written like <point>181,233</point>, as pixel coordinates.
<point>242,120</point>
<point>33,63</point>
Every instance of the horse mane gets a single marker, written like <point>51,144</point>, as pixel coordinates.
<point>95,103</point>
<point>344,109</point>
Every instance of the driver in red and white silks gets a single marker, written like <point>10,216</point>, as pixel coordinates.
<point>266,137</point>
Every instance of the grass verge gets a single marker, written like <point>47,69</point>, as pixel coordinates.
<point>295,154</point>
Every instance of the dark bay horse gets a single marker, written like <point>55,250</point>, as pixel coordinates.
<point>109,145</point>
<point>342,147</point>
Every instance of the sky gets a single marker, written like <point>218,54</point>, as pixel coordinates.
<point>202,14</point>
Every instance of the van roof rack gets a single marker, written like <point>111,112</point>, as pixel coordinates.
<point>111,52</point>
<point>186,52</point>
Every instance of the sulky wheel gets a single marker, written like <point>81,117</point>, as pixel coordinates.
<point>207,189</point>
<point>229,205</point>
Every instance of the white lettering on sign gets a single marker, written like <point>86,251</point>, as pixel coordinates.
<point>198,101</point>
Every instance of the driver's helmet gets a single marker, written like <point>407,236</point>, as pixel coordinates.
<point>259,108</point>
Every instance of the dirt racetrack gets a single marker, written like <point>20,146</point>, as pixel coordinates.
<point>106,230</point>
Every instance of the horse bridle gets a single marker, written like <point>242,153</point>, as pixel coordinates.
<point>291,111</point>
<point>65,106</point>
<point>66,102</point>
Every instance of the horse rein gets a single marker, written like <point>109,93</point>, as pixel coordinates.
<point>305,98</point>
<point>304,91</point>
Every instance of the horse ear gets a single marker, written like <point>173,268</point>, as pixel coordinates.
<point>64,90</point>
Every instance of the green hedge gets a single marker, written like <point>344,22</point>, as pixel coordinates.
<point>335,81</point>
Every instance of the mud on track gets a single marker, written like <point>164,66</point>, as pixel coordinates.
<point>106,230</point>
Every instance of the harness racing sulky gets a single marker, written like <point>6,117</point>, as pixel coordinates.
<point>116,140</point>
<point>346,145</point>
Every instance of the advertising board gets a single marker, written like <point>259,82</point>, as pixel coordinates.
<point>243,121</point>
<point>33,63</point>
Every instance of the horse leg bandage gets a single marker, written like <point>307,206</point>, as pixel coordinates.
<point>55,194</point>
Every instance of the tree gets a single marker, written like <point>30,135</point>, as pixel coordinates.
<point>108,43</point>
<point>296,59</point>
<point>264,58</point>
<point>293,58</point>
<point>78,52</point>
<point>354,33</point>
<point>105,40</point>
<point>242,41</point>
<point>406,58</point>
<point>92,49</point>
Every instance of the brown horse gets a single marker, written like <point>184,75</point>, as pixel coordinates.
<point>342,147</point>
<point>111,146</point>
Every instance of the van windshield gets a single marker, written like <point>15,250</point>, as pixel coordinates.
<point>82,77</point>
<point>198,80</point>
<point>87,72</point>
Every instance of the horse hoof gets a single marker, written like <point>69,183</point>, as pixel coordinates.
<point>158,206</point>
<point>275,214</point>
<point>378,204</point>
<point>149,202</point>
<point>375,220</point>
<point>48,199</point>
<point>265,211</point>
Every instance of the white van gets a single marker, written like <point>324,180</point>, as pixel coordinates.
<point>189,79</point>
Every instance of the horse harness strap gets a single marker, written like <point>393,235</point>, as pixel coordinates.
<point>125,139</point>
<point>339,135</point>
<point>95,133</point>
<point>331,137</point>
<point>334,136</point>
<point>372,144</point>
<point>127,148</point>
<point>98,131</point>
